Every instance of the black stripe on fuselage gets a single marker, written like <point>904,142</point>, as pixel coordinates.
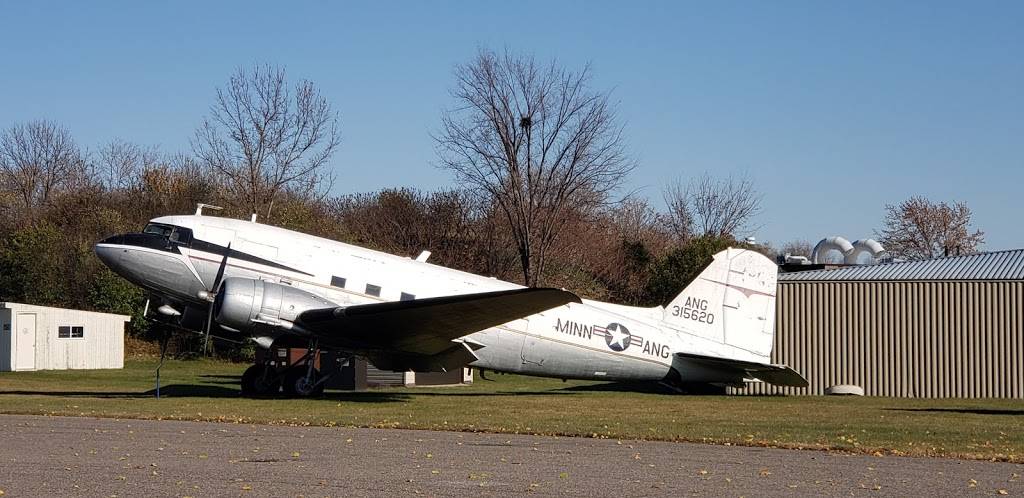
<point>210,247</point>
<point>161,243</point>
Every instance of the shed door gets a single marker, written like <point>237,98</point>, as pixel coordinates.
<point>25,358</point>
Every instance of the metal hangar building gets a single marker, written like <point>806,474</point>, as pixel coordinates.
<point>949,327</point>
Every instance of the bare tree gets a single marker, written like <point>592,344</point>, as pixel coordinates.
<point>710,206</point>
<point>679,217</point>
<point>37,160</point>
<point>799,247</point>
<point>264,137</point>
<point>918,229</point>
<point>120,164</point>
<point>534,139</point>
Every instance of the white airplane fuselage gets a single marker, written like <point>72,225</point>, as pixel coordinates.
<point>591,340</point>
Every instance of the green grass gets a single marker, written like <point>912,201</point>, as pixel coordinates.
<point>207,390</point>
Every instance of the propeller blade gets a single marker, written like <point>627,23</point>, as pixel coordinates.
<point>220,271</point>
<point>209,325</point>
<point>214,289</point>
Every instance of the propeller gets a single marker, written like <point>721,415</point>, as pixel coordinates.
<point>212,296</point>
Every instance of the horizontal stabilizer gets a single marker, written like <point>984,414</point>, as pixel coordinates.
<point>779,375</point>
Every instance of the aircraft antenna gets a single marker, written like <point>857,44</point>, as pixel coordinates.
<point>200,206</point>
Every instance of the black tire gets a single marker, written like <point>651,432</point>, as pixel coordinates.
<point>260,380</point>
<point>296,384</point>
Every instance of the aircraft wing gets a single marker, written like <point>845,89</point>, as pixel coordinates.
<point>427,326</point>
<point>780,375</point>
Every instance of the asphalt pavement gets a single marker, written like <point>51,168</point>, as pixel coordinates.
<point>69,456</point>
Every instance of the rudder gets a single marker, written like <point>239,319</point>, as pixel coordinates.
<point>731,302</point>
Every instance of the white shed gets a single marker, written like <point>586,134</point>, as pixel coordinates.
<point>44,338</point>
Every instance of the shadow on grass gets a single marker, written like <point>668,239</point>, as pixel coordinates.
<point>176,390</point>
<point>623,387</point>
<point>974,411</point>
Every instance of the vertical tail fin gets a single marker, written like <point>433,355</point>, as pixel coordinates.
<point>731,302</point>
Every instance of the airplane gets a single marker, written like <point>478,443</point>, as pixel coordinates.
<point>242,280</point>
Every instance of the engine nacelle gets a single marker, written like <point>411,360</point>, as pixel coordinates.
<point>245,303</point>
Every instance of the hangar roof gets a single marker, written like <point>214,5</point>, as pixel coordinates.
<point>998,265</point>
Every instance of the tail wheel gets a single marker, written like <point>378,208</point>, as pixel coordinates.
<point>297,383</point>
<point>260,380</point>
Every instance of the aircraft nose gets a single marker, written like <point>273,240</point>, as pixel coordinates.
<point>116,239</point>
<point>109,251</point>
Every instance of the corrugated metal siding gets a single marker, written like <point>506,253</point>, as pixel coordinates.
<point>1000,265</point>
<point>913,339</point>
<point>378,377</point>
<point>101,346</point>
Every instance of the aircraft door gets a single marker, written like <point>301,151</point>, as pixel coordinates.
<point>533,351</point>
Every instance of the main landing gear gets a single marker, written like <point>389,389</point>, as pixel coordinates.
<point>295,379</point>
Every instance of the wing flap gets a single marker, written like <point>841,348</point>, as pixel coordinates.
<point>428,326</point>
<point>780,375</point>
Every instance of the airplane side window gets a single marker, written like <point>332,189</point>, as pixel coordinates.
<point>373,290</point>
<point>338,282</point>
<point>407,297</point>
<point>181,236</point>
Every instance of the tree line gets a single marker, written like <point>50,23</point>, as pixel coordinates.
<point>538,155</point>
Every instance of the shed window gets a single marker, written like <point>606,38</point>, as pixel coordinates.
<point>408,297</point>
<point>338,282</point>
<point>69,332</point>
<point>373,290</point>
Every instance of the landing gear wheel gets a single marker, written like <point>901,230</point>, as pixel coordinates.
<point>260,380</point>
<point>296,383</point>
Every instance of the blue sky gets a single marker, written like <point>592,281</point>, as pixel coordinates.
<point>833,108</point>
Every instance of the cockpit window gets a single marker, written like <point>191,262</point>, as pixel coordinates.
<point>178,235</point>
<point>157,229</point>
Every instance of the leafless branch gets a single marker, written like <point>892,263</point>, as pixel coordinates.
<point>37,160</point>
<point>535,140</point>
<point>710,206</point>
<point>918,228</point>
<point>264,138</point>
